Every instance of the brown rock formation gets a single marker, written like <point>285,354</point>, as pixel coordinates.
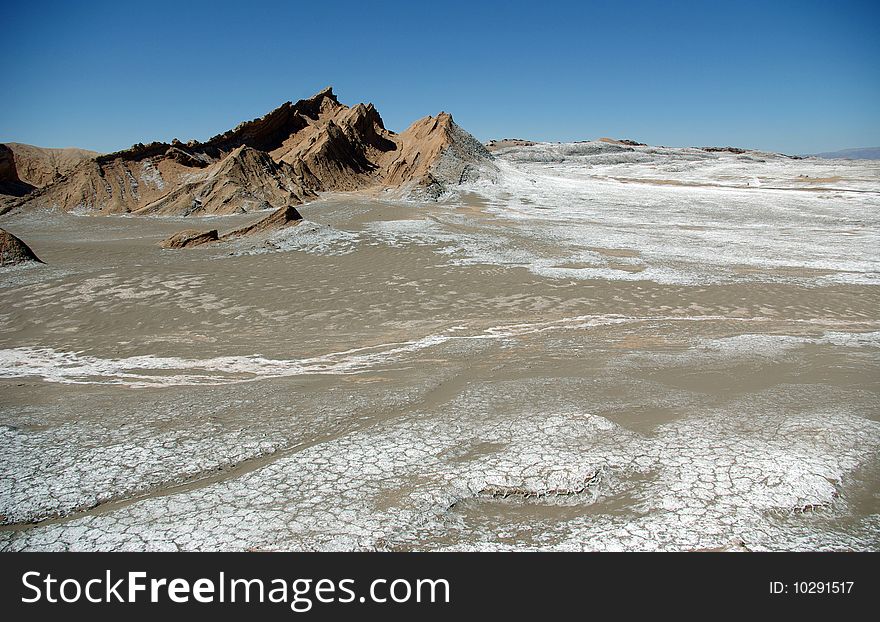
<point>735,150</point>
<point>188,238</point>
<point>281,217</point>
<point>435,153</point>
<point>281,159</point>
<point>13,251</point>
<point>246,180</point>
<point>622,141</point>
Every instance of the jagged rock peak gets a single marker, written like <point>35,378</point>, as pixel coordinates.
<point>282,158</point>
<point>264,133</point>
<point>325,93</point>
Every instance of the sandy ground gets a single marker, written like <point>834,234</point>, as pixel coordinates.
<point>554,361</point>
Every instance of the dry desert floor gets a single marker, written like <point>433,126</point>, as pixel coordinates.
<point>601,348</point>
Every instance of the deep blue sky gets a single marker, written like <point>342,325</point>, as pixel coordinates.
<point>799,76</point>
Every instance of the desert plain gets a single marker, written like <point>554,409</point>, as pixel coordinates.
<point>589,346</point>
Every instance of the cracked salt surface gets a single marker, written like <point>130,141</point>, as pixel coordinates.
<point>709,479</point>
<point>715,482</point>
<point>700,482</point>
<point>117,464</point>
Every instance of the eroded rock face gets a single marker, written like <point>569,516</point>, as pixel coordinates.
<point>11,184</point>
<point>189,238</point>
<point>284,158</point>
<point>41,166</point>
<point>279,218</point>
<point>244,181</point>
<point>436,152</point>
<point>13,251</point>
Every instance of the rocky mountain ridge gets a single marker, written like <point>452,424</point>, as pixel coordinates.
<point>282,159</point>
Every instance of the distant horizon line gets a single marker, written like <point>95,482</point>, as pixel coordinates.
<point>533,140</point>
<point>329,91</point>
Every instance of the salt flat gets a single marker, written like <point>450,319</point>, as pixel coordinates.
<point>601,347</point>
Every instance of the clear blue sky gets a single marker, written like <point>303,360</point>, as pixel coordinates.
<point>794,76</point>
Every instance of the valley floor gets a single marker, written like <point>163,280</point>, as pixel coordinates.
<point>602,348</point>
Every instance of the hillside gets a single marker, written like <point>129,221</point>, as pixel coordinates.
<point>281,159</point>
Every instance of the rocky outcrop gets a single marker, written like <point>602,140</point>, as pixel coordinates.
<point>735,150</point>
<point>279,218</point>
<point>622,141</point>
<point>282,159</point>
<point>435,155</point>
<point>246,180</point>
<point>189,238</point>
<point>13,251</point>
<point>180,182</point>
